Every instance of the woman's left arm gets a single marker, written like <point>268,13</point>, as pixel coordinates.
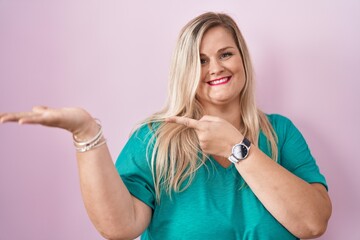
<point>302,208</point>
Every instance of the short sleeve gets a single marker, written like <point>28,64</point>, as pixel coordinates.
<point>294,153</point>
<point>133,165</point>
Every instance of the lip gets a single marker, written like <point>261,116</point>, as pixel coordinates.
<point>220,81</point>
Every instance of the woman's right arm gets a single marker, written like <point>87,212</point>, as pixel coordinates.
<point>115,213</point>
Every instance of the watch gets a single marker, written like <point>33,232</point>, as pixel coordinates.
<point>240,151</point>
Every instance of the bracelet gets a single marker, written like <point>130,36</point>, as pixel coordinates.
<point>84,143</point>
<point>92,143</point>
<point>91,146</point>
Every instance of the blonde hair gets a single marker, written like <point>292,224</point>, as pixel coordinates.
<point>175,157</point>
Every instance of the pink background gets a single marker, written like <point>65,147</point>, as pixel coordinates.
<point>112,58</point>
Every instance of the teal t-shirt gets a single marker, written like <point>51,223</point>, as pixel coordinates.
<point>215,205</point>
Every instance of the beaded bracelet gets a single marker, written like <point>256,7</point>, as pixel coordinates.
<point>92,143</point>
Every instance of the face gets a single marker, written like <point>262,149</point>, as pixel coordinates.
<point>222,70</point>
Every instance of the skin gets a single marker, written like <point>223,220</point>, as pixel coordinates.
<point>303,208</point>
<point>115,213</point>
<point>220,58</point>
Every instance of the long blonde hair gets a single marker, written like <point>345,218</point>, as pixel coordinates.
<point>175,157</point>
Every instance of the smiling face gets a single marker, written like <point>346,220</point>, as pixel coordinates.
<point>222,70</point>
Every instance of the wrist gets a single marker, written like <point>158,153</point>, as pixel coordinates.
<point>87,130</point>
<point>95,141</point>
<point>236,138</point>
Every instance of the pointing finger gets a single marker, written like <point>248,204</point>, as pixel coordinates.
<point>189,122</point>
<point>210,118</point>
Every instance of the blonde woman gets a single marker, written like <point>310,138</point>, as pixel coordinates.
<point>210,165</point>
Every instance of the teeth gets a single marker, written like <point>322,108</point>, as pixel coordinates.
<point>218,81</point>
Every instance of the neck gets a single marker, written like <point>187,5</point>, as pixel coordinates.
<point>230,113</point>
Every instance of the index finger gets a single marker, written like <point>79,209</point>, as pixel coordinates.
<point>189,122</point>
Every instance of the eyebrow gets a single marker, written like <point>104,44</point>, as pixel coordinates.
<point>220,50</point>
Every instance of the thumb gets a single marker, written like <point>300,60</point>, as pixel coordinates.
<point>39,109</point>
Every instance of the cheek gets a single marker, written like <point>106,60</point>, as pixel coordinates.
<point>202,83</point>
<point>241,74</point>
<point>201,89</point>
<point>203,74</point>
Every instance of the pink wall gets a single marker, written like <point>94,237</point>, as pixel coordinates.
<point>106,55</point>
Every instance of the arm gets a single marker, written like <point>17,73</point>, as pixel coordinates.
<point>303,208</point>
<point>113,210</point>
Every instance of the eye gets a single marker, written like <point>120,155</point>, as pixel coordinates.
<point>203,61</point>
<point>226,55</point>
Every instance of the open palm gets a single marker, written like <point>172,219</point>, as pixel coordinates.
<point>74,120</point>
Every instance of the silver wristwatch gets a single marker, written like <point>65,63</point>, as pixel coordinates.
<point>240,151</point>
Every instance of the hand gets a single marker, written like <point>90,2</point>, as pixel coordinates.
<point>216,136</point>
<point>75,120</point>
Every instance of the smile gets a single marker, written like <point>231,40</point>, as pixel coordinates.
<point>219,81</point>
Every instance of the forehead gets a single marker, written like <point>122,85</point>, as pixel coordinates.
<point>216,38</point>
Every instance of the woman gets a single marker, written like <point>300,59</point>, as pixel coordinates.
<point>210,165</point>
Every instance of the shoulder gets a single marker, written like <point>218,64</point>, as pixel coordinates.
<point>294,153</point>
<point>289,137</point>
<point>139,140</point>
<point>278,120</point>
<point>138,148</point>
<point>283,127</point>
<point>144,132</point>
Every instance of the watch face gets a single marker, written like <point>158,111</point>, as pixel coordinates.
<point>244,151</point>
<point>240,151</point>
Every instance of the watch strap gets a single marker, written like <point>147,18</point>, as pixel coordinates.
<point>233,159</point>
<point>246,142</point>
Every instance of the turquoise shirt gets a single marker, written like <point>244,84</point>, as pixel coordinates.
<point>215,205</point>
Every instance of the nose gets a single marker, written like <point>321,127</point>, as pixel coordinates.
<point>215,67</point>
